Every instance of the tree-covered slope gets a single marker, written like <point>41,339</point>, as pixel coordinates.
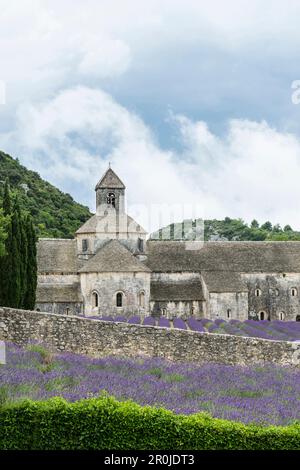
<point>54,213</point>
<point>227,229</point>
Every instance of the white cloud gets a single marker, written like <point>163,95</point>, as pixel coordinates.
<point>56,57</point>
<point>46,45</point>
<point>251,172</point>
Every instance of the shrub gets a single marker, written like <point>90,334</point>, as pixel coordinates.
<point>104,423</point>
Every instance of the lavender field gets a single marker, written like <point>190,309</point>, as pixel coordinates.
<point>276,329</point>
<point>264,395</point>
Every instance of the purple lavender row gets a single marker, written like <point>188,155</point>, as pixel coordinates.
<point>135,320</point>
<point>195,325</point>
<point>179,323</point>
<point>238,393</point>
<point>150,321</point>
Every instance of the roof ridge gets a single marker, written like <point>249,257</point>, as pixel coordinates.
<point>113,180</point>
<point>106,260</point>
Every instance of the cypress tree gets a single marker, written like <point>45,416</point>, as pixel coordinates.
<point>5,269</point>
<point>5,261</point>
<point>14,293</point>
<point>24,261</point>
<point>18,267</point>
<point>29,300</point>
<point>7,209</point>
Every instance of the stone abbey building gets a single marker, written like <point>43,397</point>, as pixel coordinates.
<point>110,268</point>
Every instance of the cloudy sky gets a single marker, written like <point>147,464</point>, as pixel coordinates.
<point>190,100</point>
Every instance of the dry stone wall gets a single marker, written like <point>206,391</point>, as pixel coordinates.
<point>100,338</point>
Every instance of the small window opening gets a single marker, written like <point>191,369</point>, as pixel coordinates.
<point>281,316</point>
<point>141,244</point>
<point>111,199</point>
<point>119,299</point>
<point>228,313</point>
<point>85,245</point>
<point>257,292</point>
<point>294,292</point>
<point>262,315</point>
<point>142,299</point>
<point>67,311</point>
<point>95,299</point>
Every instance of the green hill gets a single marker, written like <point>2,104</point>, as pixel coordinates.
<point>227,229</point>
<point>55,214</point>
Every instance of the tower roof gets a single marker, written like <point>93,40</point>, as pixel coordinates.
<point>110,180</point>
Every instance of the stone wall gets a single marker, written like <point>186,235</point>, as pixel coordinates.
<point>107,285</point>
<point>275,297</point>
<point>99,338</point>
<point>61,308</point>
<point>228,305</point>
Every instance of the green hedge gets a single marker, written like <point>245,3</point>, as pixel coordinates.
<point>104,423</point>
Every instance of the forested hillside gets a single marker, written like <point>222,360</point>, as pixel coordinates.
<point>227,229</point>
<point>54,213</point>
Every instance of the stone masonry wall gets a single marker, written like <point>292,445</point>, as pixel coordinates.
<point>99,338</point>
<point>275,294</point>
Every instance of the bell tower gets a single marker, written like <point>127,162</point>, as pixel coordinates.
<point>110,194</point>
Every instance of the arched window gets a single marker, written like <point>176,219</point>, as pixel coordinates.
<point>95,298</point>
<point>119,299</point>
<point>281,316</point>
<point>257,292</point>
<point>142,299</point>
<point>228,313</point>
<point>294,292</point>
<point>67,311</point>
<point>85,245</point>
<point>111,199</point>
<point>262,315</point>
<point>163,311</point>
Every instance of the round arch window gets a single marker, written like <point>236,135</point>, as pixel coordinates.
<point>111,199</point>
<point>95,299</point>
<point>142,299</point>
<point>257,292</point>
<point>281,316</point>
<point>119,299</point>
<point>294,292</point>
<point>262,315</point>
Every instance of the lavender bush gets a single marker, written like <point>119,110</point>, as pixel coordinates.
<point>276,330</point>
<point>179,323</point>
<point>195,325</point>
<point>261,394</point>
<point>164,322</point>
<point>150,321</point>
<point>136,320</point>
